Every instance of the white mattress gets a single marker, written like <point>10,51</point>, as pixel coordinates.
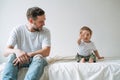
<point>69,69</point>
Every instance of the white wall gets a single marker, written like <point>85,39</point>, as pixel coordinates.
<point>64,19</point>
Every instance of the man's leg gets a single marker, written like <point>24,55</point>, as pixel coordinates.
<point>10,71</point>
<point>36,68</point>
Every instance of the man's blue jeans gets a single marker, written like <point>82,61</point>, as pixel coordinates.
<point>35,68</point>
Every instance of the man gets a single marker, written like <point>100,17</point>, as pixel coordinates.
<point>28,46</point>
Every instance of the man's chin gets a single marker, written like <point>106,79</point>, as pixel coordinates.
<point>37,29</point>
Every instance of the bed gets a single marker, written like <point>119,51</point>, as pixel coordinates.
<point>66,68</point>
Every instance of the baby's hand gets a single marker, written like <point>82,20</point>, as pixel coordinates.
<point>100,57</point>
<point>80,36</point>
<point>79,39</point>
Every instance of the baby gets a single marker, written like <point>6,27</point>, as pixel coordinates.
<point>86,48</point>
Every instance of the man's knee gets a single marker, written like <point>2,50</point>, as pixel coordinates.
<point>39,59</point>
<point>11,57</point>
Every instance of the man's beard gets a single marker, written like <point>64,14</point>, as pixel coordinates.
<point>36,29</point>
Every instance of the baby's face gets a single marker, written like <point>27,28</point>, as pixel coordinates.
<point>86,36</point>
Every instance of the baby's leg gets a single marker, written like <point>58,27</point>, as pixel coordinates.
<point>82,60</point>
<point>77,57</point>
<point>91,60</point>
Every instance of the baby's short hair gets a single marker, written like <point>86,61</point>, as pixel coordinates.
<point>86,28</point>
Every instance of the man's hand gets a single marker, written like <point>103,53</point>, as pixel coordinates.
<point>22,58</point>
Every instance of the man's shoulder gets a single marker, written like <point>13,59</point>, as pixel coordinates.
<point>19,28</point>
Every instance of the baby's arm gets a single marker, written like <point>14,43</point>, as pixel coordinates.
<point>79,39</point>
<point>97,55</point>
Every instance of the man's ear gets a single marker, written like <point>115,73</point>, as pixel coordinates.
<point>30,20</point>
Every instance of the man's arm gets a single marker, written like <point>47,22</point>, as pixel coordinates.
<point>21,56</point>
<point>9,50</point>
<point>44,52</point>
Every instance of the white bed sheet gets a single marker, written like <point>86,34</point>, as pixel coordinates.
<point>107,70</point>
<point>69,69</point>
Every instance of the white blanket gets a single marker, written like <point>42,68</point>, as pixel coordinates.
<point>85,71</point>
<point>66,68</point>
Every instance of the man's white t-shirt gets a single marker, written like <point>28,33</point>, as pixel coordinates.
<point>28,41</point>
<point>85,49</point>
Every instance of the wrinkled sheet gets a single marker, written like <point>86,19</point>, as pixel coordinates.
<point>84,71</point>
<point>68,69</point>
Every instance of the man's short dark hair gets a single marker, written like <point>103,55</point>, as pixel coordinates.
<point>34,12</point>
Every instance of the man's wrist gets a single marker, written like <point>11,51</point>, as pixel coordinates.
<point>30,54</point>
